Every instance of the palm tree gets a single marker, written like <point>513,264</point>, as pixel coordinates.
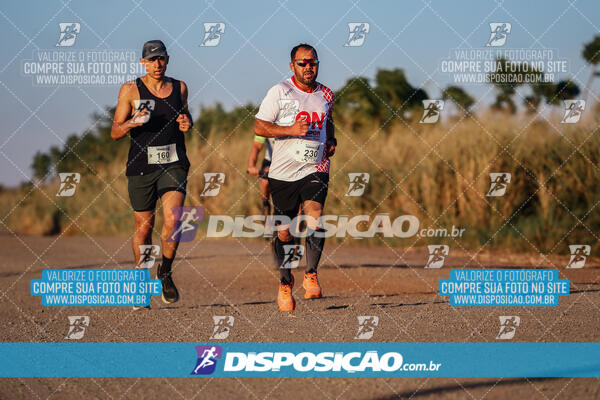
<point>591,54</point>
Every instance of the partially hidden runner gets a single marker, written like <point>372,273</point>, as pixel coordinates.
<point>298,114</point>
<point>153,110</point>
<point>263,172</point>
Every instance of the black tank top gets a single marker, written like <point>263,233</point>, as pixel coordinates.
<point>160,130</point>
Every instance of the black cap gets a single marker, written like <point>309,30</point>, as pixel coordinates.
<point>153,48</point>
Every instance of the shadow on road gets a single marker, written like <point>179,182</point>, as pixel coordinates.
<point>446,389</point>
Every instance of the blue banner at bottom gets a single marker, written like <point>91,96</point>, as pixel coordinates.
<point>242,359</point>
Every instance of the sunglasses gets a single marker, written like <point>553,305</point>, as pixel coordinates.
<point>312,61</point>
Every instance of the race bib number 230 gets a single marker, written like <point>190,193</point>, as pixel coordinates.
<point>308,151</point>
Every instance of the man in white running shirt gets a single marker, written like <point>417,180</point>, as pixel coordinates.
<point>298,114</point>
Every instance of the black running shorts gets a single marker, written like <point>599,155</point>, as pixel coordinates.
<point>287,196</point>
<point>145,189</point>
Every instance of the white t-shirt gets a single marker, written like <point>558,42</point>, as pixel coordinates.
<point>295,157</point>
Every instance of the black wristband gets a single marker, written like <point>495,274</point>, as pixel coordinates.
<point>334,140</point>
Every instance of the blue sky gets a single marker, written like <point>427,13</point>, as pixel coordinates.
<point>254,51</point>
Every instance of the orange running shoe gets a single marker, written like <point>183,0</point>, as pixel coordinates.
<point>311,284</point>
<point>285,300</point>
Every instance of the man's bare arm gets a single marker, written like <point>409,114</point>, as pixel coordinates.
<point>121,124</point>
<point>270,130</point>
<point>256,147</point>
<point>184,119</point>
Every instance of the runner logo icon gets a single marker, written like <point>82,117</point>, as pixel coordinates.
<point>358,183</point>
<point>431,111</point>
<point>212,183</point>
<point>358,34</point>
<point>508,327</point>
<point>68,33</point>
<point>212,34</point>
<point>140,106</point>
<point>293,255</point>
<point>186,225</point>
<point>579,253</point>
<point>499,183</point>
<point>77,325</point>
<point>499,33</point>
<point>68,183</point>
<point>207,359</point>
<point>573,111</point>
<point>148,254</point>
<point>288,109</point>
<point>437,255</point>
<point>223,325</point>
<point>366,326</point>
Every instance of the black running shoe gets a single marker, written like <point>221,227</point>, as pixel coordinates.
<point>169,291</point>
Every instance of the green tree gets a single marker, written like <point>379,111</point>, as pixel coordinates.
<point>539,92</point>
<point>460,98</point>
<point>356,104</point>
<point>506,77</point>
<point>56,156</point>
<point>564,90</point>
<point>553,94</point>
<point>211,120</point>
<point>396,95</point>
<point>41,165</point>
